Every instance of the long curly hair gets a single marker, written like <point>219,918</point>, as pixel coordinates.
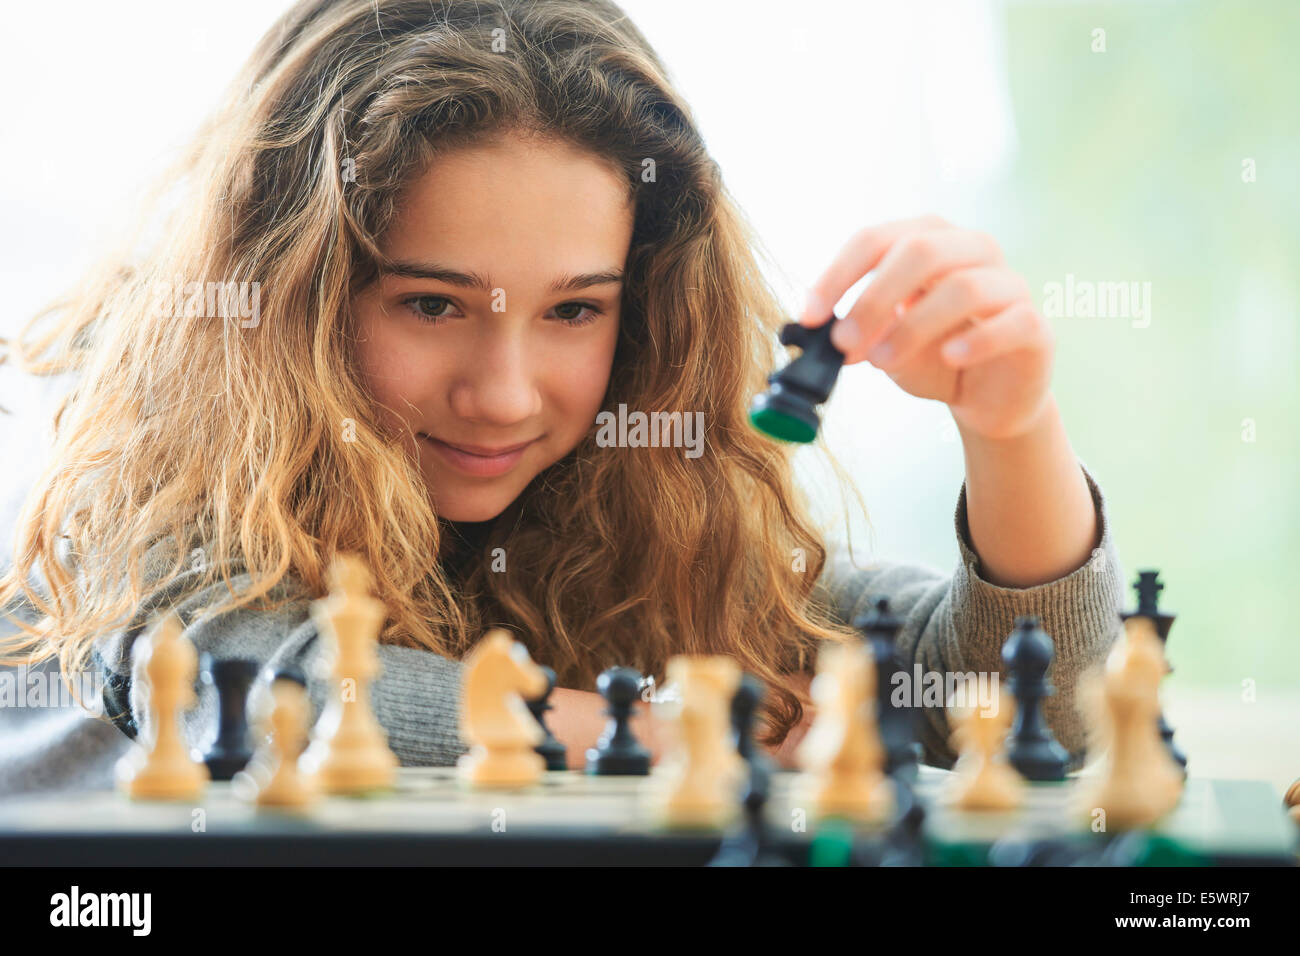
<point>259,439</point>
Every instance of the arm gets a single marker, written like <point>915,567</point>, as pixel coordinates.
<point>957,623</point>
<point>947,319</point>
<point>1031,515</point>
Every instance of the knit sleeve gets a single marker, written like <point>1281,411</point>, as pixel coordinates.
<point>416,697</point>
<point>957,623</point>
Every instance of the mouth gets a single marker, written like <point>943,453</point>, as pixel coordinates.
<point>479,460</point>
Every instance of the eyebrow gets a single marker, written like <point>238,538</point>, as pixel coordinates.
<point>568,282</point>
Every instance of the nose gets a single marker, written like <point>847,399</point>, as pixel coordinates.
<point>497,384</point>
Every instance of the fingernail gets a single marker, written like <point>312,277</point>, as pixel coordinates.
<point>956,349</point>
<point>845,335</point>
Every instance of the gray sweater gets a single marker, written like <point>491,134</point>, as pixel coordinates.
<point>954,622</point>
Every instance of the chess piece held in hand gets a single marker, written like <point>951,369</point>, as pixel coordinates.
<point>788,409</point>
<point>842,753</point>
<point>1141,782</point>
<point>349,750</point>
<point>163,768</point>
<point>495,722</point>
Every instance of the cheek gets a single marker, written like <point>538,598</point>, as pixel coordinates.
<point>579,384</point>
<point>390,371</point>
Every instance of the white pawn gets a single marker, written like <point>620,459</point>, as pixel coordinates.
<point>349,750</point>
<point>842,751</point>
<point>984,779</point>
<point>495,721</point>
<point>287,787</point>
<point>163,768</point>
<point>1140,781</point>
<point>702,778</point>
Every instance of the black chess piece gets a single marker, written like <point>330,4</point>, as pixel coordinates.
<point>1017,851</point>
<point>744,709</point>
<point>1148,588</point>
<point>550,748</point>
<point>752,844</point>
<point>905,843</point>
<point>787,410</point>
<point>231,677</point>
<point>1031,748</point>
<point>896,722</point>
<point>617,752</point>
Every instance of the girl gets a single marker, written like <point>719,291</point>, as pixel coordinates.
<point>425,245</point>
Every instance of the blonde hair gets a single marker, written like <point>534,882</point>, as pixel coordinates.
<point>230,433</point>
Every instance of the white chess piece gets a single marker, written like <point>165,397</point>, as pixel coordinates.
<point>1140,782</point>
<point>162,768</point>
<point>842,752</point>
<point>288,787</point>
<point>983,778</point>
<point>494,718</point>
<point>349,751</point>
<point>702,778</point>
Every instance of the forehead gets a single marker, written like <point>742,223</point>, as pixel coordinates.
<point>518,206</point>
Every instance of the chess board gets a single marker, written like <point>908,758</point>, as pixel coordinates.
<point>430,818</point>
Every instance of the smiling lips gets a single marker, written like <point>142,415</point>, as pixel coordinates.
<point>477,460</point>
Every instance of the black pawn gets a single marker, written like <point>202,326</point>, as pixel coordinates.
<point>231,678</point>
<point>1031,748</point>
<point>617,752</point>
<point>550,748</point>
<point>897,724</point>
<point>1148,588</point>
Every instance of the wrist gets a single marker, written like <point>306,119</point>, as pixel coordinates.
<point>1040,424</point>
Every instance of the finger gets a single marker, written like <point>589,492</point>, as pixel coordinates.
<point>1019,327</point>
<point>957,296</point>
<point>858,257</point>
<point>914,262</point>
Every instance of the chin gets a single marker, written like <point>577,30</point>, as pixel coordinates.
<point>459,506</point>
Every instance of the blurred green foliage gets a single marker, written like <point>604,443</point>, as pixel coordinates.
<point>1132,166</point>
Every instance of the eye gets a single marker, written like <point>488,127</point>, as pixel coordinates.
<point>427,308</point>
<point>578,319</point>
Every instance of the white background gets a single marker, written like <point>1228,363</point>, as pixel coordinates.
<point>847,115</point>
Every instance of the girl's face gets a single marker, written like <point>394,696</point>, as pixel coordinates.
<point>493,338</point>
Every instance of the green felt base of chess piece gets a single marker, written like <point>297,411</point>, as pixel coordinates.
<point>780,425</point>
<point>788,409</point>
